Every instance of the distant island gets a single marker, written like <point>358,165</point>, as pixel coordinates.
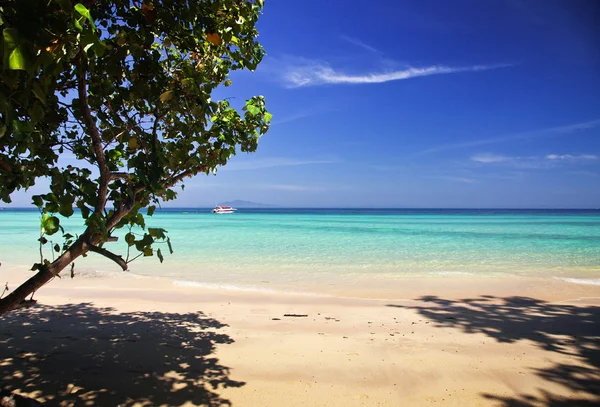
<point>238,203</point>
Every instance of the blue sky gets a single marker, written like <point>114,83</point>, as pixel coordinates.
<point>431,103</point>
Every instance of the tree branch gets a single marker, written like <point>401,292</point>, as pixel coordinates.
<point>117,175</point>
<point>92,130</point>
<point>70,109</point>
<point>5,166</point>
<point>114,257</point>
<point>177,178</point>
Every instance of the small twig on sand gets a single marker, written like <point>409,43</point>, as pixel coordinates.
<point>295,315</point>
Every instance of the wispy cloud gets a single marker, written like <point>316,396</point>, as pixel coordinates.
<point>301,115</point>
<point>271,162</point>
<point>292,118</point>
<point>304,73</point>
<point>547,132</point>
<point>533,162</point>
<point>293,187</point>
<point>461,180</point>
<point>490,158</point>
<point>569,157</point>
<point>586,173</point>
<point>360,44</point>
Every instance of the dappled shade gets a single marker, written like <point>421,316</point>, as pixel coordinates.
<point>566,329</point>
<point>78,354</point>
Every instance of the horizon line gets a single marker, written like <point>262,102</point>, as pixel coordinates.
<point>270,206</point>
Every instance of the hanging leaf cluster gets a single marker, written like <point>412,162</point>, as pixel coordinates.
<point>122,90</point>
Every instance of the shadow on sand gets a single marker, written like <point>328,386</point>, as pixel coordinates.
<point>78,354</point>
<point>569,330</point>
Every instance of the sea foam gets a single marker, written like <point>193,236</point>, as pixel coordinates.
<point>586,281</point>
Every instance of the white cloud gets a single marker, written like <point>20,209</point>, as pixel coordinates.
<point>570,157</point>
<point>301,115</point>
<point>547,132</point>
<point>293,188</point>
<point>490,158</point>
<point>547,161</point>
<point>360,44</point>
<point>291,118</point>
<point>462,179</point>
<point>586,173</point>
<point>302,72</point>
<point>270,162</point>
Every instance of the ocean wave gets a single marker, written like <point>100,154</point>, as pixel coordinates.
<point>453,273</point>
<point>586,281</point>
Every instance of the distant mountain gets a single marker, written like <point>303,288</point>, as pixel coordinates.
<point>238,203</point>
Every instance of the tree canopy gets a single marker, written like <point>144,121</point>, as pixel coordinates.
<point>124,87</point>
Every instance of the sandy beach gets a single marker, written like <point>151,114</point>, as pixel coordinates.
<point>141,341</point>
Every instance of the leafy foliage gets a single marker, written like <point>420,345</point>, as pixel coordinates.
<point>125,87</point>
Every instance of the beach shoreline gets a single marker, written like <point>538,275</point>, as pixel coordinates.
<point>450,342</point>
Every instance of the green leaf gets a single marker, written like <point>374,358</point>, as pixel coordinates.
<point>14,51</point>
<point>66,210</point>
<point>139,219</point>
<point>78,26</point>
<point>37,90</point>
<point>169,244</point>
<point>50,224</point>
<point>268,117</point>
<point>158,233</point>
<point>85,211</point>
<point>66,205</point>
<point>151,210</point>
<point>130,239</point>
<point>37,201</point>
<point>253,109</point>
<point>36,112</point>
<point>166,96</point>
<point>56,248</point>
<point>81,9</point>
<point>160,256</point>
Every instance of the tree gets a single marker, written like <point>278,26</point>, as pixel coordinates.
<point>125,86</point>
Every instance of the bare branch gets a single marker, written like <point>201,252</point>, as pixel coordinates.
<point>177,178</point>
<point>110,255</point>
<point>70,109</point>
<point>92,130</point>
<point>117,175</point>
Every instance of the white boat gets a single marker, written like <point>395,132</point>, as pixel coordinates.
<point>223,209</point>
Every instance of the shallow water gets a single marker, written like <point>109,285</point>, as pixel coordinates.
<point>312,249</point>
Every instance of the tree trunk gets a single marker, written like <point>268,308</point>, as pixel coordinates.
<point>15,298</point>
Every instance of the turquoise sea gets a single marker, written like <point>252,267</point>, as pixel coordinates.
<point>312,249</point>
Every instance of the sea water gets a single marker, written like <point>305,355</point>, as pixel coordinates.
<point>304,249</point>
